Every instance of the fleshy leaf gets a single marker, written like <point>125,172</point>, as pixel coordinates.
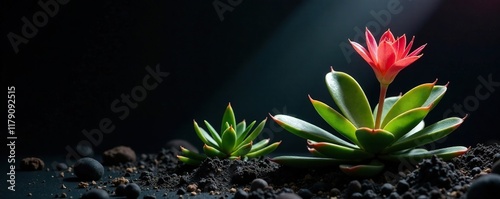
<point>368,170</point>
<point>436,94</point>
<point>417,155</point>
<point>335,120</point>
<point>256,132</point>
<point>350,99</point>
<point>415,129</point>
<point>228,140</point>
<point>214,133</point>
<point>228,117</point>
<point>243,150</point>
<point>243,135</point>
<point>403,123</point>
<point>240,128</point>
<point>414,98</point>
<point>190,154</point>
<point>374,140</point>
<point>188,160</point>
<point>204,136</point>
<point>308,162</point>
<point>213,152</point>
<point>261,144</point>
<point>388,103</point>
<point>427,135</point>
<point>308,131</point>
<point>264,151</point>
<point>338,151</point>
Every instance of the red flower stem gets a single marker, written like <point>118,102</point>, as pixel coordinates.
<point>381,99</point>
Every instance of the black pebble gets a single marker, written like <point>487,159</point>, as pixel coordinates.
<point>150,197</point>
<point>475,170</point>
<point>496,167</point>
<point>181,191</point>
<point>288,196</point>
<point>402,186</point>
<point>305,193</point>
<point>61,166</point>
<point>354,186</point>
<point>496,157</point>
<point>95,194</point>
<point>88,169</point>
<point>386,189</point>
<point>356,195</point>
<point>485,187</point>
<point>120,190</point>
<point>132,191</point>
<point>369,194</point>
<point>240,194</point>
<point>394,195</point>
<point>258,184</point>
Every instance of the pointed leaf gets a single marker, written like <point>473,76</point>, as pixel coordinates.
<point>261,144</point>
<point>228,140</point>
<point>417,155</point>
<point>368,170</point>
<point>436,94</point>
<point>240,128</point>
<point>374,140</point>
<point>403,123</point>
<point>307,162</point>
<point>244,134</point>
<point>213,152</point>
<point>204,136</point>
<point>188,161</point>
<point>316,153</point>
<point>335,120</point>
<point>388,103</point>
<point>243,150</point>
<point>256,132</point>
<point>414,98</point>
<point>427,135</point>
<point>214,133</point>
<point>350,98</point>
<point>338,151</point>
<point>192,155</point>
<point>228,117</point>
<point>264,151</point>
<point>415,129</point>
<point>307,130</point>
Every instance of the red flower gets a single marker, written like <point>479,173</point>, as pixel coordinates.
<point>388,57</point>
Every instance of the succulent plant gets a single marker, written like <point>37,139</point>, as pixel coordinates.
<point>392,131</point>
<point>235,140</point>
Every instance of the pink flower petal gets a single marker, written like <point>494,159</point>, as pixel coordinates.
<point>387,36</point>
<point>408,47</point>
<point>386,56</point>
<point>400,47</point>
<point>402,63</point>
<point>362,51</point>
<point>417,51</point>
<point>372,45</point>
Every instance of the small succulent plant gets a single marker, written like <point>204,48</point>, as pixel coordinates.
<point>392,131</point>
<point>235,141</point>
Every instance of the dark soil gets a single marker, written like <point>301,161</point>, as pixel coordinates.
<point>215,178</point>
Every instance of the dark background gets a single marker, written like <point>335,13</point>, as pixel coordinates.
<point>264,57</point>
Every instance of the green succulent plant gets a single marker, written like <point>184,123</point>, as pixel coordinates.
<point>366,148</point>
<point>235,141</point>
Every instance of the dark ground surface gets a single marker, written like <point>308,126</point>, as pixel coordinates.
<point>160,175</point>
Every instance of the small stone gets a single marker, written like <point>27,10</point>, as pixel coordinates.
<point>117,155</point>
<point>120,190</point>
<point>95,194</point>
<point>61,166</point>
<point>402,186</point>
<point>496,157</point>
<point>258,183</point>
<point>240,194</point>
<point>132,191</point>
<point>335,192</point>
<point>149,197</point>
<point>496,167</point>
<point>386,189</point>
<point>83,185</point>
<point>63,186</point>
<point>191,188</point>
<point>354,186</point>
<point>88,169</point>
<point>64,195</point>
<point>119,181</point>
<point>181,191</point>
<point>485,187</point>
<point>232,190</point>
<point>32,164</point>
<point>475,170</point>
<point>288,196</point>
<point>305,193</point>
<point>369,194</point>
<point>356,195</point>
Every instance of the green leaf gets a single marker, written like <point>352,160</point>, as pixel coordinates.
<point>414,98</point>
<point>309,131</point>
<point>228,140</point>
<point>427,135</point>
<point>228,117</point>
<point>243,150</point>
<point>335,120</point>
<point>213,152</point>
<point>243,135</point>
<point>240,128</point>
<point>316,153</point>
<point>259,145</point>
<point>415,129</point>
<point>256,132</point>
<point>350,98</point>
<point>436,94</point>
<point>214,133</point>
<point>192,155</point>
<point>417,155</point>
<point>369,170</point>
<point>388,103</point>
<point>204,136</point>
<point>188,160</point>
<point>264,151</point>
<point>374,140</point>
<point>405,122</point>
<point>307,162</point>
<point>338,151</point>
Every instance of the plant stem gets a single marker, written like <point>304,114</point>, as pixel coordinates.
<point>381,99</point>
